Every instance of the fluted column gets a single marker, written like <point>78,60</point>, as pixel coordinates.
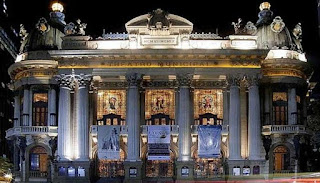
<point>17,110</point>
<point>292,107</point>
<point>82,98</point>
<point>184,117</point>
<point>133,116</point>
<point>234,118</point>
<point>254,120</point>
<point>52,113</point>
<point>65,150</point>
<point>26,107</point>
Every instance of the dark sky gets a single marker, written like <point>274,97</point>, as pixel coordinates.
<point>205,15</point>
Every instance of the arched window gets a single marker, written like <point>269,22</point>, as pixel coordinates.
<point>281,158</point>
<point>40,109</point>
<point>38,162</point>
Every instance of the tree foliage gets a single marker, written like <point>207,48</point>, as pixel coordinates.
<point>5,165</point>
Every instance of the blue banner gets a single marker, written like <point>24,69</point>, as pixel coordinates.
<point>209,141</point>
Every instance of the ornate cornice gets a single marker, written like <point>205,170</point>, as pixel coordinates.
<point>134,79</point>
<point>29,68</point>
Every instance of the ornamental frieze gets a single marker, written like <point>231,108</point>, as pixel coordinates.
<point>284,72</point>
<point>159,64</point>
<point>35,73</point>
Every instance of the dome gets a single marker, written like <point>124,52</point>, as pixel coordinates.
<point>47,35</point>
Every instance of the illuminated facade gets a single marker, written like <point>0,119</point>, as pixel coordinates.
<point>84,108</point>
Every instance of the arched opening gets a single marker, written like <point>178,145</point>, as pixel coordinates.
<point>38,162</point>
<point>208,167</point>
<point>111,168</point>
<point>281,159</point>
<point>160,168</point>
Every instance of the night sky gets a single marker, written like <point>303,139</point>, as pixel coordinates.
<point>206,16</point>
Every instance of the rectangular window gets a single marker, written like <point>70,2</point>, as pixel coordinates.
<point>280,108</point>
<point>40,109</point>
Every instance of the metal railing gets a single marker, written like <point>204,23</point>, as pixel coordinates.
<point>38,174</point>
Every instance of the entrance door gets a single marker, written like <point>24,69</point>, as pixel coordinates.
<point>281,158</point>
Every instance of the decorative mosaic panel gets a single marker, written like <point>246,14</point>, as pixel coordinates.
<point>111,101</point>
<point>279,96</point>
<point>159,101</point>
<point>208,101</point>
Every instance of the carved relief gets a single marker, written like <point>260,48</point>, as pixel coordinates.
<point>43,26</point>
<point>251,80</point>
<point>277,25</point>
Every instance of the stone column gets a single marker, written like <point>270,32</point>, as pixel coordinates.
<point>234,118</point>
<point>82,98</point>
<point>254,120</point>
<point>184,119</point>
<point>17,110</point>
<point>292,107</point>
<point>65,150</point>
<point>133,118</point>
<point>26,107</point>
<point>225,107</point>
<point>52,113</point>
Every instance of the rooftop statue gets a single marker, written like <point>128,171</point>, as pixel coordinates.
<point>265,15</point>
<point>75,29</point>
<point>158,19</point>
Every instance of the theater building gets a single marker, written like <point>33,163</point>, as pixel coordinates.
<point>158,102</point>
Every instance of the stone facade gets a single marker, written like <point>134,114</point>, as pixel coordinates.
<point>262,114</point>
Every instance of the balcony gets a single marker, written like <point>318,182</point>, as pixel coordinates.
<point>32,130</point>
<point>283,129</point>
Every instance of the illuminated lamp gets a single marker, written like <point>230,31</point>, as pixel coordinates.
<point>57,7</point>
<point>265,6</point>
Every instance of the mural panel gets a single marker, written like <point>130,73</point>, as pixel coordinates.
<point>159,101</point>
<point>208,101</point>
<point>111,101</point>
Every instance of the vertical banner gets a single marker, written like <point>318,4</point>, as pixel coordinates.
<point>159,142</point>
<point>109,142</point>
<point>209,141</point>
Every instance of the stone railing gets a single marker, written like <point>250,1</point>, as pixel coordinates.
<point>37,174</point>
<point>283,129</point>
<point>282,171</point>
<point>29,130</point>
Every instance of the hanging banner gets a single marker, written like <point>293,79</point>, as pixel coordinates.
<point>209,141</point>
<point>158,142</point>
<point>109,142</point>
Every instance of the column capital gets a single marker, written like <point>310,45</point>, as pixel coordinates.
<point>83,80</point>
<point>252,80</point>
<point>134,79</point>
<point>234,80</point>
<point>72,80</point>
<point>184,80</point>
